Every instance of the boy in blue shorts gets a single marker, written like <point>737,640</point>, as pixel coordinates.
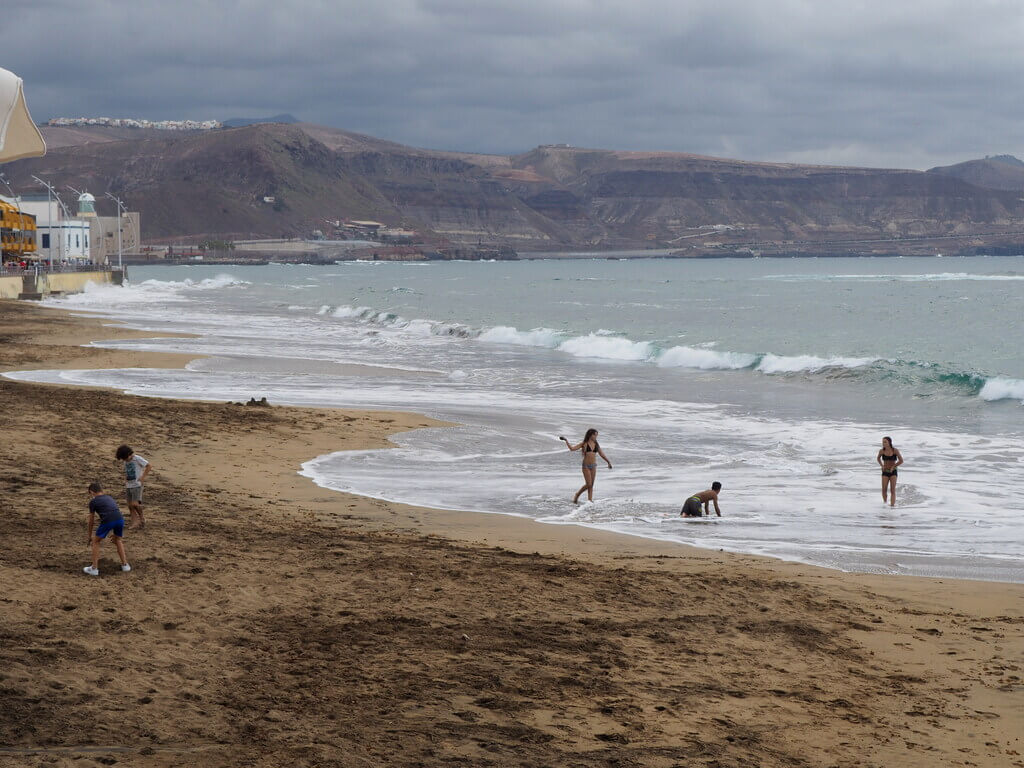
<point>111,521</point>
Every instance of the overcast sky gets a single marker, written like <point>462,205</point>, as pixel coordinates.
<point>894,83</point>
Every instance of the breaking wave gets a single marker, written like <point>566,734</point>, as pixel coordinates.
<point>1002,388</point>
<point>603,344</point>
<point>705,359</point>
<point>100,296</point>
<point>608,348</point>
<point>809,363</point>
<point>538,337</point>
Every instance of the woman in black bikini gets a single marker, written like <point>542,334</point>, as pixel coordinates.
<point>888,459</point>
<point>591,450</point>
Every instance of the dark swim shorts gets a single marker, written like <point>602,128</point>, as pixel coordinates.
<point>115,527</point>
<point>890,473</point>
<point>692,507</point>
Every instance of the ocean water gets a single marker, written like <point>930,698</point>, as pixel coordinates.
<point>777,378</point>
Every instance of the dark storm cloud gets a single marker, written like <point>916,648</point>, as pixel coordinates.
<point>909,84</point>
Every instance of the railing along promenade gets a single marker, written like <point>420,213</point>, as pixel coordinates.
<point>16,270</point>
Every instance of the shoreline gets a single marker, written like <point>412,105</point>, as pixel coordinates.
<point>612,255</point>
<point>878,561</point>
<point>455,523</point>
<point>479,637</point>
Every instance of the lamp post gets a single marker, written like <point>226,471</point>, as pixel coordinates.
<point>49,223</point>
<point>120,207</point>
<point>21,216</point>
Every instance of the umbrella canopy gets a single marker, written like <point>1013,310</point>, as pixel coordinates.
<point>19,136</point>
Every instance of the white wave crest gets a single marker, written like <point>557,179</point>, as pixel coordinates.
<point>809,363</point>
<point>538,337</point>
<point>106,296</point>
<point>1002,388</point>
<point>207,284</point>
<point>607,348</point>
<point>365,314</point>
<point>421,328</point>
<point>416,327</point>
<point>897,278</point>
<point>960,276</point>
<point>704,359</point>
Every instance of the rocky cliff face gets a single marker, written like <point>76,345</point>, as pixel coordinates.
<point>215,183</point>
<point>1000,172</point>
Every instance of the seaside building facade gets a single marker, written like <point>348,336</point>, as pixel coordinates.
<point>58,238</point>
<point>103,235</point>
<point>53,234</point>
<point>17,231</point>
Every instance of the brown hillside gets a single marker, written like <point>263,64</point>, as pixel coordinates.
<point>1000,172</point>
<point>214,183</point>
<point>57,137</point>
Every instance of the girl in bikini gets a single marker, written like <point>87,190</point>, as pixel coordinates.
<point>591,450</point>
<point>888,459</point>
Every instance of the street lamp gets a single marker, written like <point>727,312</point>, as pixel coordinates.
<point>120,207</point>
<point>49,223</point>
<point>21,219</point>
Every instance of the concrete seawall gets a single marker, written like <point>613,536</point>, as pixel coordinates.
<point>33,286</point>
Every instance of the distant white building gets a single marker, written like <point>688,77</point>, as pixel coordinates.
<point>65,239</point>
<point>57,236</point>
<point>60,235</point>
<point>131,122</point>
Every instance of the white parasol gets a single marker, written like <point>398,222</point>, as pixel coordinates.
<point>19,136</point>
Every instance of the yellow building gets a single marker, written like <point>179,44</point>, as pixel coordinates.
<point>17,233</point>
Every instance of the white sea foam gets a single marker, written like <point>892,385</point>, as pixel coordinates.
<point>607,348</point>
<point>704,359</point>
<point>809,363</point>
<point>900,278</point>
<point>1002,388</point>
<point>101,297</point>
<point>796,486</point>
<point>420,328</point>
<point>538,337</point>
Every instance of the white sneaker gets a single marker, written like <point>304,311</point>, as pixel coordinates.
<point>91,571</point>
<point>126,567</point>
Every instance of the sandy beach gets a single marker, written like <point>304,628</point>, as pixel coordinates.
<point>270,622</point>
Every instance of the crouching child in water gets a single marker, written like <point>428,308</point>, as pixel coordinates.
<point>692,506</point>
<point>111,521</point>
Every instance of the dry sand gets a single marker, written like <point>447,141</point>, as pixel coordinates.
<point>269,622</point>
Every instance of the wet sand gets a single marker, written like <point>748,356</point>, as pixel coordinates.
<point>269,622</point>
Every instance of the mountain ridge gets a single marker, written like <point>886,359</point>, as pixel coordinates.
<point>1004,172</point>
<point>215,183</point>
<point>240,122</point>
